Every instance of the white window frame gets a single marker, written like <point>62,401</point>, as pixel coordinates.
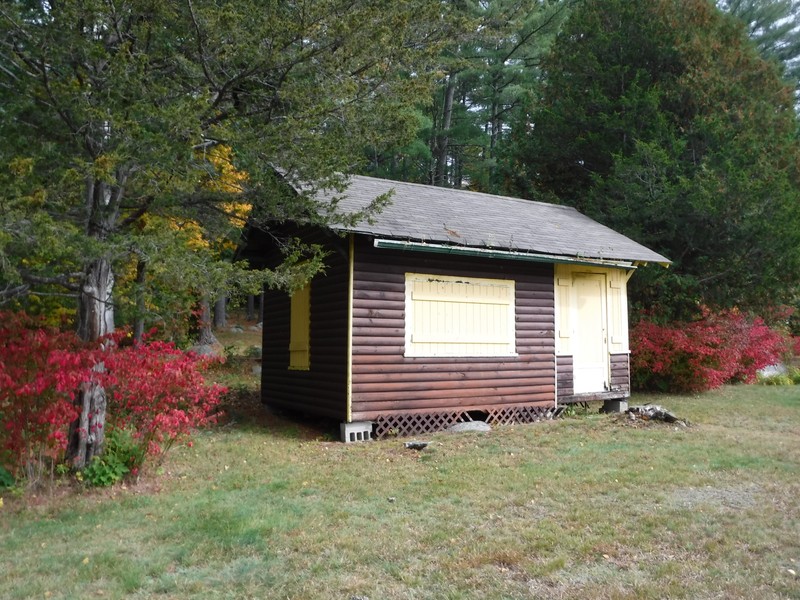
<point>504,341</point>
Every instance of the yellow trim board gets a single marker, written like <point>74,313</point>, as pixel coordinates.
<point>349,392</point>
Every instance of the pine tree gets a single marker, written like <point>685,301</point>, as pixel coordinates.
<point>660,119</point>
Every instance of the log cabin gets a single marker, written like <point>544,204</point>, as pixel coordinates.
<point>449,306</point>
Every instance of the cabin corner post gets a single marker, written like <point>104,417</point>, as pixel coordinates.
<point>350,269</point>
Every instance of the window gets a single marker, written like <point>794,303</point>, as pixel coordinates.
<point>459,316</point>
<point>300,329</point>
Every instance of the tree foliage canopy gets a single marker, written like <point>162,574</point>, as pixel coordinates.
<point>112,110</point>
<point>774,25</point>
<point>660,119</point>
<point>485,74</point>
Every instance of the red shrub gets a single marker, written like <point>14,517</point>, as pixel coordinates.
<point>158,392</point>
<point>690,357</point>
<point>40,368</point>
<point>155,391</point>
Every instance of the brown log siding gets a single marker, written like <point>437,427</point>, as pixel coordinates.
<point>564,380</point>
<point>322,390</point>
<point>386,382</point>
<point>620,373</point>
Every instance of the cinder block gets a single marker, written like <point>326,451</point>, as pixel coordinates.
<point>359,431</point>
<point>614,406</point>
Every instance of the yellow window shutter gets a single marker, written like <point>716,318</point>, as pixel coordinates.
<point>300,329</point>
<point>459,316</point>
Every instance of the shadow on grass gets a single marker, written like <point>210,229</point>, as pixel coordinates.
<point>243,411</point>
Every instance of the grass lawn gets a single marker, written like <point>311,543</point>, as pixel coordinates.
<point>587,507</point>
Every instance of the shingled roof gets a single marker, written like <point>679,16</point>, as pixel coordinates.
<point>464,219</point>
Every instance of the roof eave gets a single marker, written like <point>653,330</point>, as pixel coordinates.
<point>434,248</point>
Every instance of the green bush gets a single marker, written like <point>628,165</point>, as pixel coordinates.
<point>791,377</point>
<point>104,471</point>
<point>122,455</point>
<point>6,479</point>
<point>782,379</point>
<point>253,352</point>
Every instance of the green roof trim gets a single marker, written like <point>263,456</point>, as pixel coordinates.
<point>497,254</point>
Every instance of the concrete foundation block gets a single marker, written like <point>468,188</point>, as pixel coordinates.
<point>614,406</point>
<point>358,431</point>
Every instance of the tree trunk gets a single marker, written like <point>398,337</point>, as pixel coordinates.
<point>206,336</point>
<point>220,312</point>
<point>138,324</point>
<point>87,432</point>
<point>251,307</point>
<point>440,173</point>
<point>95,320</point>
<point>95,303</point>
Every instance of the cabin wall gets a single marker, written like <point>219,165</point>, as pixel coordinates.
<point>620,380</point>
<point>386,382</point>
<point>322,389</point>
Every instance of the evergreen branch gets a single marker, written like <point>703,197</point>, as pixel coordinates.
<point>138,213</point>
<point>200,46</point>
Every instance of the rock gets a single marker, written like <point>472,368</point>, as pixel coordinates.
<point>236,329</point>
<point>653,412</point>
<point>480,426</point>
<point>213,350</point>
<point>256,370</point>
<point>415,445</point>
<point>253,352</point>
<point>773,370</point>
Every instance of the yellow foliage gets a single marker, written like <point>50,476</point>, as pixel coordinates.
<point>36,199</point>
<point>103,167</point>
<point>21,167</point>
<point>229,180</point>
<point>192,232</point>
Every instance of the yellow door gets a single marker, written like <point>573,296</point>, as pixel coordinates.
<point>590,354</point>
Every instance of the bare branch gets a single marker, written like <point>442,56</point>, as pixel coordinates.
<point>65,281</point>
<point>9,293</point>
